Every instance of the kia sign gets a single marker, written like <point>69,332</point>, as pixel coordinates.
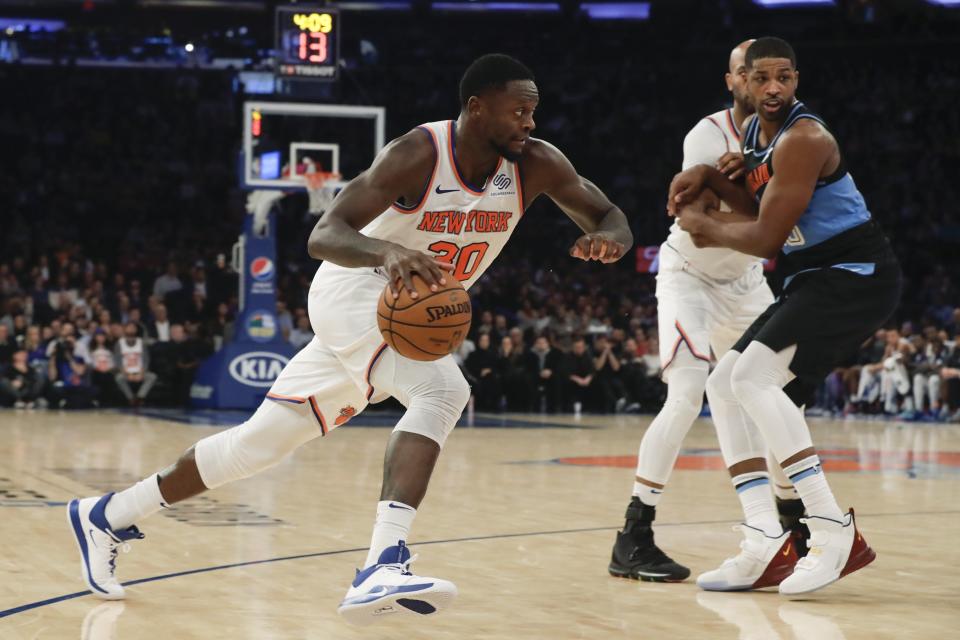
<point>257,368</point>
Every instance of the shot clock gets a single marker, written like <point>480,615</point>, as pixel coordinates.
<point>308,42</point>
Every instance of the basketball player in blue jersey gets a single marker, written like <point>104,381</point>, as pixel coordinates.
<point>706,299</point>
<point>374,235</point>
<point>841,283</point>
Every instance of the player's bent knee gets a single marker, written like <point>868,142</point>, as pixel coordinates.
<point>760,369</point>
<point>434,413</point>
<point>719,387</point>
<point>261,442</point>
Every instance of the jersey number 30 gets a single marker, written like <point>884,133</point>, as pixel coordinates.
<point>465,260</point>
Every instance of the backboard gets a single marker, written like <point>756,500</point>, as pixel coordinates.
<point>282,141</point>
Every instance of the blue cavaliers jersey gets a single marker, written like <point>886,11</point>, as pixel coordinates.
<point>836,229</point>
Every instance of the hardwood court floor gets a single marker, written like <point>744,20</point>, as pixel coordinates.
<point>522,519</point>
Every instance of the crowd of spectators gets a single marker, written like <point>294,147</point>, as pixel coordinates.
<point>122,200</point>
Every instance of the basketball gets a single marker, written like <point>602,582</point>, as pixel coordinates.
<point>429,326</point>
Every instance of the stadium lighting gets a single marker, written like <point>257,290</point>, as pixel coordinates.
<point>188,47</point>
<point>547,7</point>
<point>617,10</point>
<point>776,4</point>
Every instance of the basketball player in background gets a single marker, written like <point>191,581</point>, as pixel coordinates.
<point>706,299</point>
<point>416,210</point>
<point>841,283</point>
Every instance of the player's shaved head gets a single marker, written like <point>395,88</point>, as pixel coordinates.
<point>736,77</point>
<point>738,54</point>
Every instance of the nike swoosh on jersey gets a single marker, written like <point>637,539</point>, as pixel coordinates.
<point>440,191</point>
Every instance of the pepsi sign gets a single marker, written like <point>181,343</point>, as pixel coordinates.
<point>257,368</point>
<point>262,269</point>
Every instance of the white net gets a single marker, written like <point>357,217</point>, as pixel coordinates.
<point>322,187</point>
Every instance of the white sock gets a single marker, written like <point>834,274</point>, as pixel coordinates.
<point>647,494</point>
<point>394,520</point>
<point>759,510</point>
<point>782,487</point>
<point>136,503</point>
<point>812,486</point>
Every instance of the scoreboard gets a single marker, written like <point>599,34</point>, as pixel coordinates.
<point>308,42</point>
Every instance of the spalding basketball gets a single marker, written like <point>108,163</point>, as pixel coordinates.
<point>429,326</point>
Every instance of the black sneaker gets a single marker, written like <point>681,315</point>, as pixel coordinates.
<point>636,556</point>
<point>790,513</point>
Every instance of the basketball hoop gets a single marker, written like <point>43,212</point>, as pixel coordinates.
<point>321,194</point>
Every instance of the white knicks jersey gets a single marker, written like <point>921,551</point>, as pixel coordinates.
<point>463,224</point>
<point>709,139</point>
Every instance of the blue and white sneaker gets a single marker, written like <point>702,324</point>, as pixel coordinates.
<point>98,545</point>
<point>388,588</point>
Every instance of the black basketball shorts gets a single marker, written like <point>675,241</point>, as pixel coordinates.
<point>828,314</point>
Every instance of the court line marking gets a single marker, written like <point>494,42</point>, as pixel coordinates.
<point>499,536</point>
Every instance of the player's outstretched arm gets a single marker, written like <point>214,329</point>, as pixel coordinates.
<point>607,235</point>
<point>800,157</point>
<point>404,166</point>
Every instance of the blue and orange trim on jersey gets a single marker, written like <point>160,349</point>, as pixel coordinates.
<point>733,126</point>
<point>684,338</point>
<point>452,149</point>
<point>519,187</point>
<point>318,415</point>
<point>433,174</point>
<point>373,362</point>
<point>276,397</point>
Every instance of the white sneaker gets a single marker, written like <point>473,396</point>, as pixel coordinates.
<point>388,587</point>
<point>98,545</point>
<point>836,549</point>
<point>763,561</point>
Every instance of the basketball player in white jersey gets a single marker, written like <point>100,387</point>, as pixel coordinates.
<point>706,299</point>
<point>439,201</point>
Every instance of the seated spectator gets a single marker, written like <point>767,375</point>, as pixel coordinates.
<point>36,350</point>
<point>134,360</point>
<point>284,319</point>
<point>925,367</point>
<point>188,353</point>
<point>580,374</point>
<point>611,393</point>
<point>66,331</point>
<point>103,365</point>
<point>7,346</point>
<point>483,375</point>
<point>950,374</point>
<point>197,311</point>
<point>869,388</point>
<point>69,374</point>
<point>167,283</point>
<point>544,366</point>
<point>513,375</point>
<point>158,330</point>
<point>20,386</point>
<point>302,334</point>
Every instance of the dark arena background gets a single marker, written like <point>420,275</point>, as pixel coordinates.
<point>164,163</point>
